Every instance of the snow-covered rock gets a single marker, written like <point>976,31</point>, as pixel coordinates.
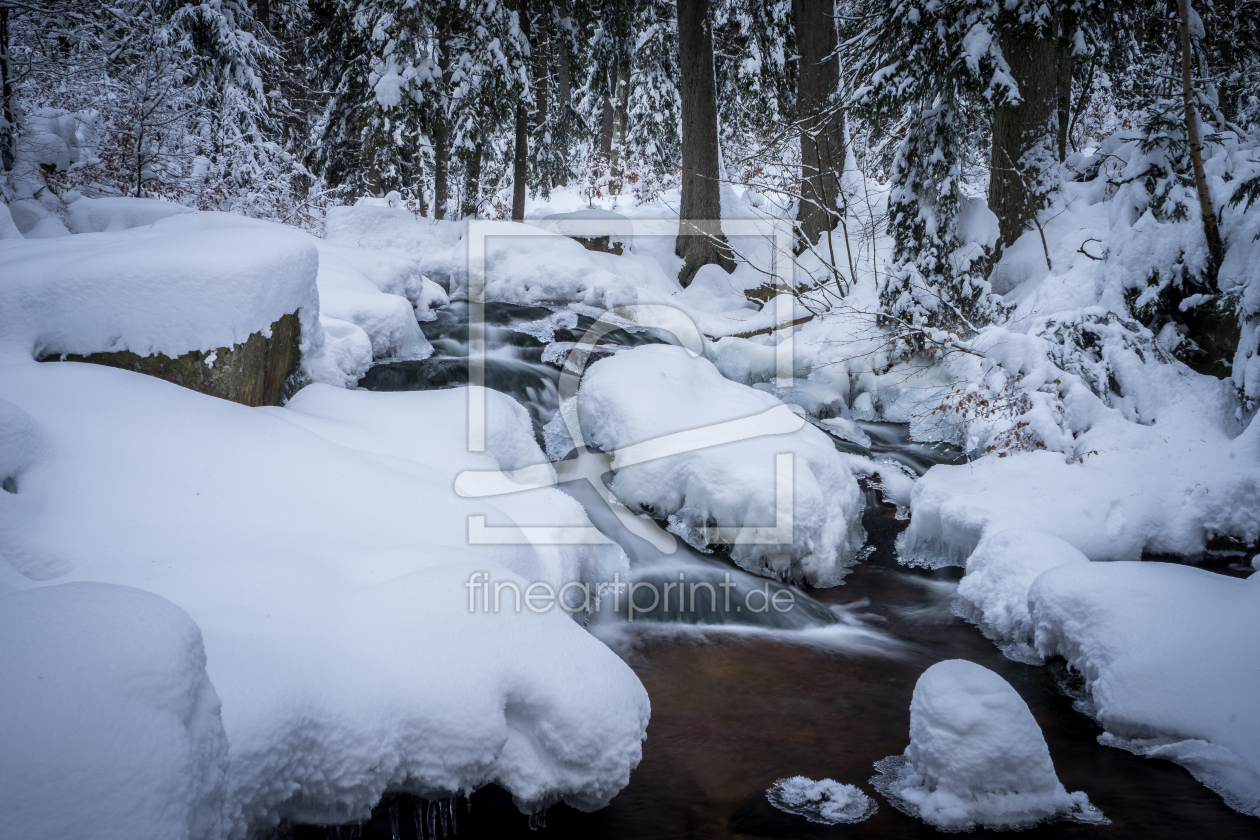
<point>994,592</point>
<point>95,215</point>
<point>1157,489</point>
<point>976,757</point>
<point>323,554</point>
<point>109,726</point>
<point>151,291</point>
<point>647,393</point>
<point>1169,660</point>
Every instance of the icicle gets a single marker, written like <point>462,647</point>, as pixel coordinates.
<point>538,820</point>
<point>417,814</point>
<point>431,811</point>
<point>454,810</point>
<point>393,822</point>
<point>443,808</point>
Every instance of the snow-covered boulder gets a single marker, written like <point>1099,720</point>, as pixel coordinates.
<point>96,215</point>
<point>994,592</point>
<point>1168,654</point>
<point>1164,489</point>
<point>222,311</point>
<point>109,726</point>
<point>323,554</point>
<point>976,757</point>
<point>595,229</point>
<point>647,393</point>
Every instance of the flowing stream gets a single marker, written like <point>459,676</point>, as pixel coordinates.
<point>741,700</point>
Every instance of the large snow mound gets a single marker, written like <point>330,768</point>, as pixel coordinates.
<point>111,727</point>
<point>151,291</point>
<point>652,391</point>
<point>1169,661</point>
<point>322,552</point>
<point>994,592</point>
<point>976,757</point>
<point>97,215</point>
<point>1162,491</point>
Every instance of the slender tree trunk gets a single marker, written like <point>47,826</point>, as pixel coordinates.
<point>441,127</point>
<point>621,119</point>
<point>1216,250</point>
<point>471,199</point>
<point>606,127</point>
<point>520,152</point>
<point>564,97</point>
<point>262,13</point>
<point>7,151</point>
<point>700,241</point>
<point>821,121</point>
<point>1063,87</point>
<point>1021,129</point>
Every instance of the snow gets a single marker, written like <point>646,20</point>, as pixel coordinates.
<point>151,291</point>
<point>976,757</point>
<point>994,592</point>
<point>97,215</point>
<point>111,726</point>
<point>323,555</point>
<point>649,392</point>
<point>1169,668</point>
<point>824,801</point>
<point>1151,496</point>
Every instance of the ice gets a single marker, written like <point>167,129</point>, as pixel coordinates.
<point>647,393</point>
<point>824,801</point>
<point>976,757</point>
<point>111,726</point>
<point>994,592</point>
<point>323,554</point>
<point>1165,651</point>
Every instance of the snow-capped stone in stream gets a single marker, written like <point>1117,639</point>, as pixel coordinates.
<point>976,757</point>
<point>994,592</point>
<point>111,728</point>
<point>628,402</point>
<point>824,801</point>
<point>1168,654</point>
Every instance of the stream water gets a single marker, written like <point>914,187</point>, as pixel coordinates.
<point>822,691</point>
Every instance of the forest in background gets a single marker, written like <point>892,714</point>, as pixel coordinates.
<point>280,108</point>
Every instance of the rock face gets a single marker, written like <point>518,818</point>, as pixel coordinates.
<point>251,373</point>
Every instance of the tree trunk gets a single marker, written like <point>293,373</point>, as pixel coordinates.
<point>7,145</point>
<point>441,127</point>
<point>700,241</point>
<point>821,122</point>
<point>1216,250</point>
<point>262,14</point>
<point>1063,86</point>
<point>564,97</point>
<point>520,151</point>
<point>1021,129</point>
<point>622,118</point>
<point>606,127</point>
<point>471,199</point>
